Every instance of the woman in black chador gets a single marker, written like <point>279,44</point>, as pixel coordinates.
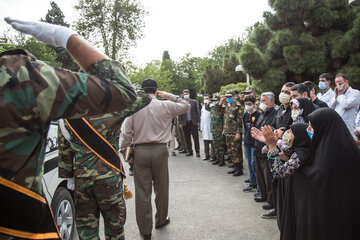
<point>327,186</point>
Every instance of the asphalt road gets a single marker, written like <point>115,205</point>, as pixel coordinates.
<point>206,203</point>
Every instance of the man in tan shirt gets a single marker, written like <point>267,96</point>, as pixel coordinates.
<point>149,131</point>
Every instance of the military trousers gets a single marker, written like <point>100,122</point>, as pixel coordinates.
<point>234,149</point>
<point>151,167</point>
<point>92,196</point>
<point>219,145</point>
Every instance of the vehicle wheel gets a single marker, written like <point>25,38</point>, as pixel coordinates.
<point>64,212</point>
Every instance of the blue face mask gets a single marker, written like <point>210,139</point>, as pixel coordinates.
<point>311,134</point>
<point>186,96</point>
<point>322,85</point>
<point>214,103</point>
<point>229,100</point>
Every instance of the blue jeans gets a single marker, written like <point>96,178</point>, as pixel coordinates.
<point>249,153</point>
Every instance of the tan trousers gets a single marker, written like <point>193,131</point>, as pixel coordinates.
<point>151,167</point>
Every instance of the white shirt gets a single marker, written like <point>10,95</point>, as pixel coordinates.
<point>347,106</point>
<point>327,96</point>
<point>205,120</point>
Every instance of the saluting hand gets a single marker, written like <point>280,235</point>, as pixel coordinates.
<point>162,94</point>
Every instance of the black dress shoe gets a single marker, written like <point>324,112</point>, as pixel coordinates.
<point>247,180</point>
<point>267,206</point>
<point>189,154</point>
<point>216,163</point>
<point>197,154</point>
<point>167,221</point>
<point>269,215</point>
<point>147,237</point>
<point>259,199</point>
<point>182,151</point>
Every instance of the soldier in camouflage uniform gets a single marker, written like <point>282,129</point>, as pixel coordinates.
<point>32,95</point>
<point>216,126</point>
<point>233,131</point>
<point>98,187</point>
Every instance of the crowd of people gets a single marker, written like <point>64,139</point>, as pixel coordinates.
<point>293,150</point>
<point>303,157</point>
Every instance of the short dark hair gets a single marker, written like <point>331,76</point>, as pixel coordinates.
<point>249,98</point>
<point>289,84</point>
<point>341,75</point>
<point>301,88</point>
<point>310,85</point>
<point>327,76</point>
<point>186,91</point>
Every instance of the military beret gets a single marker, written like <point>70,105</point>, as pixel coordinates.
<point>149,84</point>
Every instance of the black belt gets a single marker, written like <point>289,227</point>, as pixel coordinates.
<point>151,143</point>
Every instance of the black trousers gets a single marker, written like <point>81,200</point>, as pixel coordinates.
<point>190,129</point>
<point>263,177</point>
<point>206,148</point>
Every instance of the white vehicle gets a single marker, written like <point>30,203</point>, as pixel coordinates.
<point>57,194</point>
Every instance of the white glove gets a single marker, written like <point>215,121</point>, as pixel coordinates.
<point>45,32</point>
<point>71,183</point>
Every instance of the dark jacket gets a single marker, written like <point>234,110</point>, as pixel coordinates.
<point>249,122</point>
<point>282,118</point>
<point>195,114</point>
<point>320,103</point>
<point>265,118</point>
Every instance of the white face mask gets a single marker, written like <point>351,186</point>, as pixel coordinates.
<point>249,108</point>
<point>295,114</point>
<point>263,106</point>
<point>206,101</point>
<point>284,98</point>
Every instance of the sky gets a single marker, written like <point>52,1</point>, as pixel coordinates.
<point>178,26</point>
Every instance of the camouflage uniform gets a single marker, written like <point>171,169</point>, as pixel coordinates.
<point>232,126</point>
<point>98,187</point>
<point>216,127</point>
<point>32,95</point>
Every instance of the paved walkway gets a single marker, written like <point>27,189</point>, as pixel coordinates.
<point>205,204</point>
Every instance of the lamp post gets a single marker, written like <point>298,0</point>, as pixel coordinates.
<point>354,2</point>
<point>239,68</point>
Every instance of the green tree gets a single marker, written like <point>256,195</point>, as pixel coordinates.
<point>56,16</point>
<point>114,24</point>
<point>241,86</point>
<point>299,40</point>
<point>41,51</point>
<point>153,70</point>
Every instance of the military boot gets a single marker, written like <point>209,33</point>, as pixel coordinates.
<point>238,171</point>
<point>222,163</point>
<point>232,171</point>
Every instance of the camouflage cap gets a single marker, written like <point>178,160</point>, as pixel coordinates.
<point>249,89</point>
<point>216,97</point>
<point>229,93</point>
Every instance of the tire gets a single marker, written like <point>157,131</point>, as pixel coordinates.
<point>63,208</point>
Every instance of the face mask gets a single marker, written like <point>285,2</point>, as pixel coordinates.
<point>284,98</point>
<point>311,134</point>
<point>295,114</point>
<point>215,103</point>
<point>186,96</point>
<point>206,101</point>
<point>322,85</point>
<point>249,107</point>
<point>211,105</point>
<point>287,139</point>
<point>229,100</point>
<point>263,106</point>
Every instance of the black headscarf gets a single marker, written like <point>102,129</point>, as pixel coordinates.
<point>327,189</point>
<point>307,106</point>
<point>301,144</point>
